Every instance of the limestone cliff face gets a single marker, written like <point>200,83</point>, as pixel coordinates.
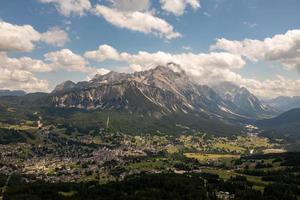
<point>160,90</point>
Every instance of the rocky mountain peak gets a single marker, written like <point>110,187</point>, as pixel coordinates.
<point>169,70</point>
<point>64,86</point>
<point>165,88</point>
<point>246,102</point>
<point>109,78</point>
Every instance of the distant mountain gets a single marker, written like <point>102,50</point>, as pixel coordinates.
<point>29,100</point>
<point>284,125</point>
<point>247,103</point>
<point>65,86</point>
<point>160,90</point>
<point>12,93</point>
<point>163,99</point>
<point>168,99</point>
<point>284,103</point>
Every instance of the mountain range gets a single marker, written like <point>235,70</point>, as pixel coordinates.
<point>286,125</point>
<point>284,103</point>
<point>12,93</point>
<point>245,102</point>
<point>160,90</point>
<point>163,99</point>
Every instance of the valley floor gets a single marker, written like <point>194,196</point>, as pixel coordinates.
<point>55,157</point>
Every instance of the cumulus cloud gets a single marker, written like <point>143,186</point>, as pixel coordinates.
<point>178,7</point>
<point>23,63</point>
<point>206,68</point>
<point>283,49</point>
<point>69,7</point>
<point>131,5</point>
<point>134,15</point>
<point>63,59</point>
<point>55,36</point>
<point>96,71</point>
<point>19,73</point>
<point>67,60</point>
<point>20,79</point>
<point>23,38</point>
<point>17,38</point>
<point>144,22</point>
<point>136,67</point>
<point>16,73</point>
<point>104,52</point>
<point>186,60</point>
<point>278,86</point>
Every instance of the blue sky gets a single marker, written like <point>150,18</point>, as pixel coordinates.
<point>80,28</point>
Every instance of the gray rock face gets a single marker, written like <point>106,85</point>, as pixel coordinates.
<point>160,90</point>
<point>65,86</point>
<point>246,103</point>
<point>284,103</point>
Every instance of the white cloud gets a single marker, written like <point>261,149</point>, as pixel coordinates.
<point>17,73</point>
<point>203,67</point>
<point>279,86</point>
<point>23,38</point>
<point>206,68</point>
<point>136,67</point>
<point>178,7</point>
<point>17,38</point>
<point>188,61</point>
<point>131,5</point>
<point>67,60</point>
<point>69,7</point>
<point>55,36</point>
<point>96,71</point>
<point>104,52</point>
<point>282,48</point>
<point>144,22</point>
<point>23,63</point>
<point>134,15</point>
<point>20,79</point>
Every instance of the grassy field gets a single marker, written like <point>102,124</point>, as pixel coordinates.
<point>23,127</point>
<point>211,157</point>
<point>228,147</point>
<point>147,165</point>
<point>227,174</point>
<point>172,149</point>
<point>268,151</point>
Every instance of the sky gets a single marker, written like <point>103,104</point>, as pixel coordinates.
<point>252,43</point>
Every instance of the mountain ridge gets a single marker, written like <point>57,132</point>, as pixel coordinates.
<point>163,97</point>
<point>284,103</point>
<point>12,93</point>
<point>104,91</point>
<point>286,124</point>
<point>246,102</point>
<point>161,86</point>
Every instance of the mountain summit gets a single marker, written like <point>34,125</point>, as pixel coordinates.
<point>159,90</point>
<point>246,102</point>
<point>163,99</point>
